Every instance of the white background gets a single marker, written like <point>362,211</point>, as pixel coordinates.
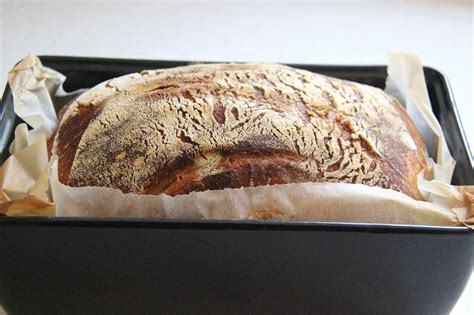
<point>440,32</point>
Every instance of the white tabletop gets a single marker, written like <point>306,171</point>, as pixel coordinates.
<point>441,33</point>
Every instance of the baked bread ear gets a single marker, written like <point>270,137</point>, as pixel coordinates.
<point>219,126</point>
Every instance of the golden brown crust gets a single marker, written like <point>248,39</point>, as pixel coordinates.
<point>231,125</point>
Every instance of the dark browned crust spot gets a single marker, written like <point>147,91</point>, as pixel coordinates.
<point>240,170</point>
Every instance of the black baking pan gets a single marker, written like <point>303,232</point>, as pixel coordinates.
<point>136,266</point>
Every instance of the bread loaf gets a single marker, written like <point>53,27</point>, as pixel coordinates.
<point>219,126</point>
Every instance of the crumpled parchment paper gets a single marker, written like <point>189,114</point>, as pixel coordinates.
<point>446,205</point>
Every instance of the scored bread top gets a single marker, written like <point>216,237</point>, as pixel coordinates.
<point>221,126</point>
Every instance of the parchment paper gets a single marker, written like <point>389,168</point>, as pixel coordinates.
<point>447,205</point>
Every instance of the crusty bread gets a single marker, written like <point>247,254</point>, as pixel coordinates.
<point>222,126</point>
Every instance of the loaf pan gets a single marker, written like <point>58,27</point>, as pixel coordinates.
<point>123,265</point>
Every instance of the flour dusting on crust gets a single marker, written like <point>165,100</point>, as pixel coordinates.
<point>230,125</point>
